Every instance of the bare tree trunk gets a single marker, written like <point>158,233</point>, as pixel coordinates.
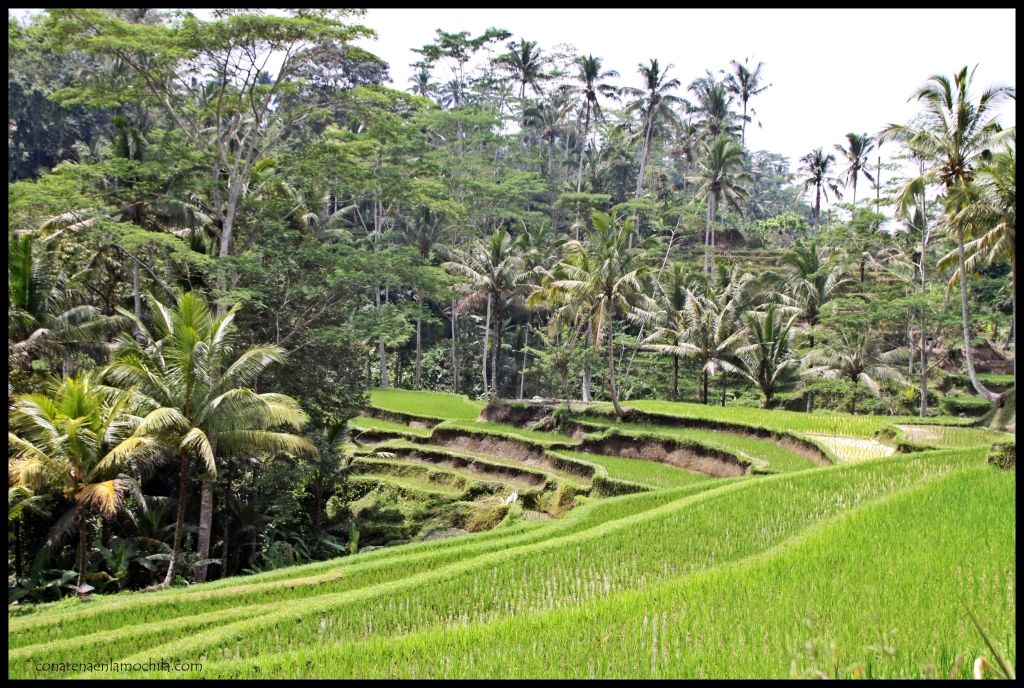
<point>526,352</point>
<point>455,356</point>
<point>495,355</point>
<point>226,525</point>
<point>675,377</point>
<point>380,338</point>
<point>585,390</point>
<point>611,373</point>
<point>725,385</point>
<point>966,317</point>
<point>704,386</point>
<point>923,389</point>
<point>83,544</point>
<point>419,343</point>
<point>205,528</point>
<point>18,557</point>
<point>583,150</point>
<point>179,525</point>
<point>487,342</point>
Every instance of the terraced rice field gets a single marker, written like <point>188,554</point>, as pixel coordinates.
<point>762,563</point>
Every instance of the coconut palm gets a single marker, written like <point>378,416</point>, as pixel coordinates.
<point>745,84</point>
<point>62,440</point>
<point>956,134</point>
<point>815,168</point>
<point>713,108</point>
<point>721,175</point>
<point>527,66</point>
<point>591,86</point>
<point>496,273</point>
<point>41,315</point>
<point>989,214</point>
<point>613,284</point>
<point>421,83</point>
<point>809,282</point>
<point>767,359</point>
<point>201,403</point>
<point>857,356</point>
<point>671,297</point>
<point>856,156</point>
<point>655,104</point>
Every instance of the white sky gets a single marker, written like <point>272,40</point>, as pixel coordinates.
<point>833,71</point>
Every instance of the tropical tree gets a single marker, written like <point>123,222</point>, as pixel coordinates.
<point>655,104</point>
<point>745,84</point>
<point>612,283</point>
<point>525,63</point>
<point>855,155</point>
<point>815,168</point>
<point>496,273</point>
<point>721,177</point>
<point>671,323</point>
<point>713,108</point>
<point>201,403</point>
<point>767,359</point>
<point>858,356</point>
<point>591,86</point>
<point>957,133</point>
<point>810,282</point>
<point>989,214</point>
<point>42,317</point>
<point>62,440</point>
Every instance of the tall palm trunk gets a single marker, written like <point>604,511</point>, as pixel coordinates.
<point>583,149</point>
<point>585,386</point>
<point>611,373</point>
<point>675,377</point>
<point>455,354</point>
<point>923,389</point>
<point>496,354</point>
<point>526,352</point>
<point>82,543</point>
<point>179,524</point>
<point>487,341</point>
<point>966,317</point>
<point>704,387</point>
<point>419,342</point>
<point>205,528</point>
<point>644,154</point>
<point>725,385</point>
<point>817,207</point>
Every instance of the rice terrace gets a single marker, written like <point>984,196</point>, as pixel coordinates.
<point>483,360</point>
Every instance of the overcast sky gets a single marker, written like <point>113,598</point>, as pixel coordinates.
<point>832,71</point>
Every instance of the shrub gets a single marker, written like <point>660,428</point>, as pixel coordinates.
<point>1003,455</point>
<point>963,404</point>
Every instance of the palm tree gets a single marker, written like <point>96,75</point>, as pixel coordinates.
<point>592,85</point>
<point>654,103</point>
<point>672,323</point>
<point>526,64</point>
<point>41,315</point>
<point>767,358</point>
<point>713,108</point>
<point>424,232</point>
<point>421,83</point>
<point>989,214</point>
<point>810,282</point>
<point>957,133</point>
<point>201,401</point>
<point>538,246</point>
<point>857,356</point>
<point>745,84</point>
<point>614,284</point>
<point>62,439</point>
<point>721,176</point>
<point>815,167</point>
<point>496,271</point>
<point>856,155</point>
